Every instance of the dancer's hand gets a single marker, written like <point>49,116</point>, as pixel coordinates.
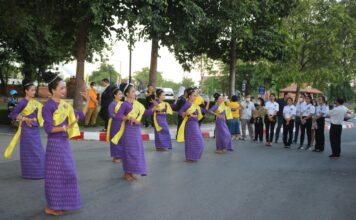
<point>28,121</point>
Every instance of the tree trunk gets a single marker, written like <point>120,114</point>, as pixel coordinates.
<point>3,85</point>
<point>153,68</point>
<point>232,76</point>
<point>297,92</point>
<point>81,53</point>
<point>28,70</point>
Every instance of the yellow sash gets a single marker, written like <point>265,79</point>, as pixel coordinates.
<point>31,106</point>
<point>190,110</point>
<point>137,112</point>
<point>160,107</point>
<point>227,110</point>
<point>117,107</point>
<point>64,111</point>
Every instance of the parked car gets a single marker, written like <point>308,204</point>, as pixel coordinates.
<point>169,93</point>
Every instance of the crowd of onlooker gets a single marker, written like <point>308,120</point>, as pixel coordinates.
<point>305,117</point>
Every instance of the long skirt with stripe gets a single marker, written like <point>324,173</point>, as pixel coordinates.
<point>194,145</point>
<point>61,185</point>
<point>163,137</point>
<point>222,135</point>
<point>133,152</point>
<point>31,153</point>
<point>116,150</point>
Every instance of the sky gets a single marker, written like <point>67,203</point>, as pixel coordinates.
<point>141,55</point>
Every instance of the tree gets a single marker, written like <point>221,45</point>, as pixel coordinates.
<point>27,30</point>
<point>321,45</point>
<point>168,23</point>
<point>88,23</point>
<point>205,66</point>
<point>142,78</point>
<point>248,30</point>
<point>104,71</point>
<point>187,82</point>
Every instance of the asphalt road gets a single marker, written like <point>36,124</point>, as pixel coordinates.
<point>253,182</point>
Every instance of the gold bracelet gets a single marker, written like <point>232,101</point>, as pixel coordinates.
<point>64,128</point>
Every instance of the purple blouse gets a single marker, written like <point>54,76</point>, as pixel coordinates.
<point>17,111</point>
<point>126,108</point>
<point>119,115</point>
<point>185,107</point>
<point>48,109</point>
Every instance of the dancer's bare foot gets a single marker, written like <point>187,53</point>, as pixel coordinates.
<point>189,161</point>
<point>219,151</point>
<point>134,177</point>
<point>128,177</point>
<point>49,211</point>
<point>116,160</point>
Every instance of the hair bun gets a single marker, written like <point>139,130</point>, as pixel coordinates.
<point>48,76</point>
<point>27,81</point>
<point>216,95</point>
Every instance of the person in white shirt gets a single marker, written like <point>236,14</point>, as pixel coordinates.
<point>321,111</point>
<point>247,107</point>
<point>337,116</point>
<point>289,113</point>
<point>306,114</point>
<point>272,108</point>
<point>299,105</point>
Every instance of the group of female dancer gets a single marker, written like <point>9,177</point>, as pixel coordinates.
<point>60,120</point>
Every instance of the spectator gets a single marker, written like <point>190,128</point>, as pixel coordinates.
<point>337,116</point>
<point>299,106</point>
<point>307,112</point>
<point>150,97</point>
<point>270,119</point>
<point>201,102</point>
<point>92,112</point>
<point>105,100</point>
<point>179,104</point>
<point>123,85</point>
<point>247,107</point>
<point>258,116</point>
<point>321,112</point>
<point>281,103</point>
<point>234,123</point>
<point>289,112</point>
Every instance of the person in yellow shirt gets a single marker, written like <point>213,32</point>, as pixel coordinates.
<point>92,112</point>
<point>199,100</point>
<point>234,123</point>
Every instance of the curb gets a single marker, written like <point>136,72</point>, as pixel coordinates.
<point>101,136</point>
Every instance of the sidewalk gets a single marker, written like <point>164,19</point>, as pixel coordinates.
<point>95,134</point>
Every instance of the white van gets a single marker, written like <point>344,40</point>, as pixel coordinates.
<point>169,93</point>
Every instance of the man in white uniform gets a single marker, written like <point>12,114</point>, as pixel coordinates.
<point>337,116</point>
<point>247,107</point>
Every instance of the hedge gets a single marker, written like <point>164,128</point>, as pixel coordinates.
<point>171,119</point>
